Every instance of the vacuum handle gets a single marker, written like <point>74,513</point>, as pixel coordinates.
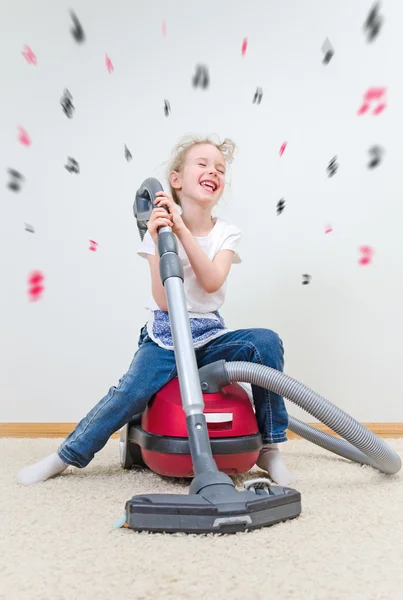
<point>144,203</point>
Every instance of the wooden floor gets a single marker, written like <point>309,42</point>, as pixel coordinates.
<point>62,430</point>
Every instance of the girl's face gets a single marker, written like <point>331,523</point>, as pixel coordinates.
<point>203,175</point>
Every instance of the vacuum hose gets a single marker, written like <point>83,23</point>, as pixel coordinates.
<point>362,445</point>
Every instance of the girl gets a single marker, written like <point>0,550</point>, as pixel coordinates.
<point>207,248</point>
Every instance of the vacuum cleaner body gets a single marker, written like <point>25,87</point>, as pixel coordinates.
<point>231,424</point>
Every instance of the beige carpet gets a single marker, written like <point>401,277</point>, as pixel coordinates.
<point>57,539</point>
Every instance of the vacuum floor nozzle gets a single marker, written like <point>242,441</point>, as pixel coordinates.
<point>196,513</point>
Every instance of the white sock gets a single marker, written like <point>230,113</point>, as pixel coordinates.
<point>270,460</point>
<point>42,470</point>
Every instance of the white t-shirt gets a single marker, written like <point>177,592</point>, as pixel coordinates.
<point>223,236</point>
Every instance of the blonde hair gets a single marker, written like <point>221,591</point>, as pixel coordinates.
<point>227,149</point>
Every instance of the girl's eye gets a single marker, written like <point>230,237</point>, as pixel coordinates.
<point>219,170</point>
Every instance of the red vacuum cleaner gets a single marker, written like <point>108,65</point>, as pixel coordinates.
<point>158,439</point>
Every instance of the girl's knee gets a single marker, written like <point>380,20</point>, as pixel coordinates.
<point>269,347</point>
<point>267,337</point>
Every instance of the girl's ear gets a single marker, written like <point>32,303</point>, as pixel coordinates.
<point>174,180</point>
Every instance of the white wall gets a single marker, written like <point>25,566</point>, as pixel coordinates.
<point>343,332</point>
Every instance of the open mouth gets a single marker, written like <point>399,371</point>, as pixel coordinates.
<point>209,185</point>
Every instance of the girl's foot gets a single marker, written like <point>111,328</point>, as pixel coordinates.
<point>42,470</point>
<point>270,460</point>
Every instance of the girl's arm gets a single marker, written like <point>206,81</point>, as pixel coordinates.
<point>211,274</point>
<point>157,288</point>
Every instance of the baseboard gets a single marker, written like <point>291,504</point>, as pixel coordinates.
<point>62,430</point>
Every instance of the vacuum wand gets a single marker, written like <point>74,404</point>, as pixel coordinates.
<point>172,277</point>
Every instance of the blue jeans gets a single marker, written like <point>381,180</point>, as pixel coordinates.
<point>152,367</point>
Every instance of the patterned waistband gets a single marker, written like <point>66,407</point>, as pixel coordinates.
<point>203,326</point>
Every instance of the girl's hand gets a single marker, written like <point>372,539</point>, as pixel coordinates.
<point>177,223</point>
<point>159,218</point>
